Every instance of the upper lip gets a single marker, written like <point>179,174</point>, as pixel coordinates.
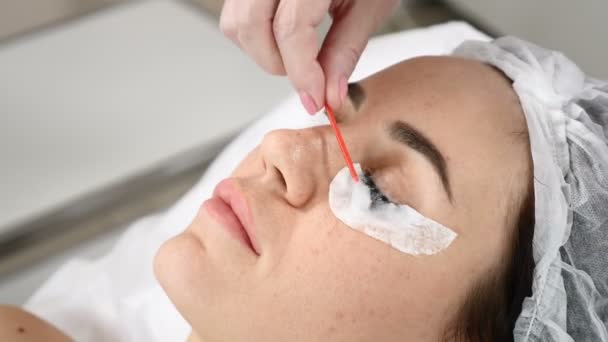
<point>229,192</point>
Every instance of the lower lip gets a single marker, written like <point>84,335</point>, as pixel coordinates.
<point>223,214</point>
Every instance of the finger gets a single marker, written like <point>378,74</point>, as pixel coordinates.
<point>294,31</point>
<point>256,37</point>
<point>228,21</point>
<point>353,23</point>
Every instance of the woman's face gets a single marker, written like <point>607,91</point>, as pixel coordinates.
<point>312,278</point>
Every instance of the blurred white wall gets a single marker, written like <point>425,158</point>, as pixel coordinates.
<point>577,28</point>
<point>20,16</point>
<point>98,100</point>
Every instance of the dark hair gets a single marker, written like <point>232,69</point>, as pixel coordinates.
<point>492,306</point>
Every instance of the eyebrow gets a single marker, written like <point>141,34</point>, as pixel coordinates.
<point>410,136</point>
<point>414,139</point>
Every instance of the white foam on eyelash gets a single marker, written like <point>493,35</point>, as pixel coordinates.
<point>397,225</point>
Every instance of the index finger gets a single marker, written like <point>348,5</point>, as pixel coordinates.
<point>294,30</point>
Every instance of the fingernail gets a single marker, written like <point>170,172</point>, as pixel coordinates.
<point>308,103</point>
<point>343,88</point>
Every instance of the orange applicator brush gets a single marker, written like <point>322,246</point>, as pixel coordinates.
<point>349,162</point>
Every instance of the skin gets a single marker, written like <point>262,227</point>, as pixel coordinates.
<point>315,278</point>
<point>280,37</point>
<point>319,280</point>
<point>18,325</point>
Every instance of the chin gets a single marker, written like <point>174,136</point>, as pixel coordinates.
<point>173,264</point>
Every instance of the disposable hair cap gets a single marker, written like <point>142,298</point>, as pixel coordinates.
<point>567,118</point>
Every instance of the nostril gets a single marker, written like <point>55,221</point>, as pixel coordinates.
<point>281,178</point>
<point>274,173</point>
<point>289,157</point>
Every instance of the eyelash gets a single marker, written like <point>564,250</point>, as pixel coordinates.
<point>378,197</point>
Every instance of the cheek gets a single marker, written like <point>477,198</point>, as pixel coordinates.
<point>338,277</point>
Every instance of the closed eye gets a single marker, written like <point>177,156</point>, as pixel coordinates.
<point>377,196</point>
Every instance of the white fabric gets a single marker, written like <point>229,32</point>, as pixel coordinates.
<point>116,298</point>
<point>567,117</point>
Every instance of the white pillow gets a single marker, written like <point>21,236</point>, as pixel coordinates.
<point>116,298</point>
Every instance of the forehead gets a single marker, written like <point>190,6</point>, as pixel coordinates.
<point>468,109</point>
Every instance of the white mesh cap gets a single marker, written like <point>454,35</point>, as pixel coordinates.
<point>567,118</point>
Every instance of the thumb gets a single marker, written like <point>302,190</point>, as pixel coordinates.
<point>353,23</point>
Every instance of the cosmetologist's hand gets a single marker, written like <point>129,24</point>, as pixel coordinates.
<point>280,36</point>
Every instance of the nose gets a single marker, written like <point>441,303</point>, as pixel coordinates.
<point>303,160</point>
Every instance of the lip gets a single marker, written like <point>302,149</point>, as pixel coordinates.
<point>228,206</point>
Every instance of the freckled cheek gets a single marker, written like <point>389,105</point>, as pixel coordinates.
<point>445,278</point>
<point>339,263</point>
<point>319,247</point>
<point>341,255</point>
<point>326,251</point>
<point>319,242</point>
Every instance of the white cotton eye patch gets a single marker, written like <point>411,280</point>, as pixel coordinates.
<point>397,225</point>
